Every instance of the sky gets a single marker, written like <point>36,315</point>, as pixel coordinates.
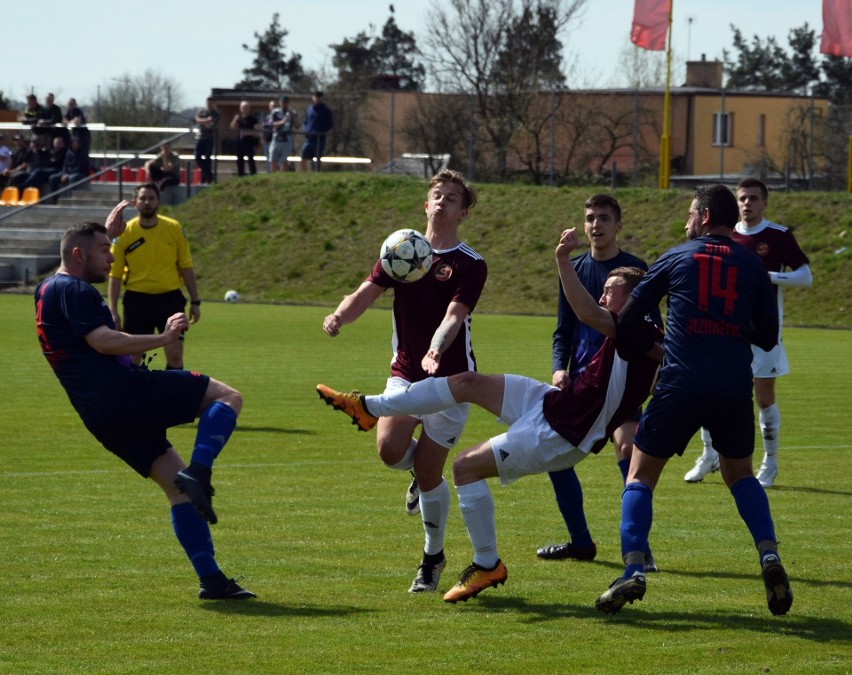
<point>80,46</point>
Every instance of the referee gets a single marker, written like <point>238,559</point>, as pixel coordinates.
<point>152,262</point>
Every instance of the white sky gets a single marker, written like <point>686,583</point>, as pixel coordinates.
<point>71,48</point>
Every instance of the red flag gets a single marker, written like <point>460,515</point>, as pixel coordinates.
<point>651,23</point>
<point>836,27</point>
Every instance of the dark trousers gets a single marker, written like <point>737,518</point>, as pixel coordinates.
<point>245,148</point>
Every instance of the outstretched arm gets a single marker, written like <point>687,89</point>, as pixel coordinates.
<point>584,305</point>
<point>352,307</point>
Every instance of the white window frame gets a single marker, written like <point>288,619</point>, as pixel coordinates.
<point>726,139</point>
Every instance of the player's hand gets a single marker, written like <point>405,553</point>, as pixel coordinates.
<point>116,319</point>
<point>175,325</point>
<point>194,313</point>
<point>115,224</point>
<point>569,241</point>
<point>431,361</point>
<point>332,324</point>
<point>560,379</point>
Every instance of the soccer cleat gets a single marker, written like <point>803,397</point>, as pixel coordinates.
<point>427,577</point>
<point>766,474</point>
<point>229,590</point>
<point>650,564</point>
<point>620,592</point>
<point>567,550</point>
<point>199,491</point>
<point>702,467</point>
<point>350,403</point>
<point>412,497</point>
<point>475,579</point>
<point>779,597</point>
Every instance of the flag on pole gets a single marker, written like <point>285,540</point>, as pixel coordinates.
<point>651,23</point>
<point>836,27</point>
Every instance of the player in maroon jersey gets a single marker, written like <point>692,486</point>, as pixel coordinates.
<point>431,336</point>
<point>549,428</point>
<point>778,249</point>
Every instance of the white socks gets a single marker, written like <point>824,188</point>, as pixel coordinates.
<point>770,424</point>
<point>421,398</point>
<point>477,509</point>
<point>709,451</point>
<point>435,509</point>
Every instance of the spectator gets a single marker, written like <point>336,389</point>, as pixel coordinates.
<point>5,158</point>
<point>282,140</point>
<point>76,167</point>
<point>164,169</point>
<point>18,161</point>
<point>36,157</point>
<point>207,120</point>
<point>32,112</point>
<point>49,123</point>
<point>318,122</point>
<point>55,162</point>
<point>246,125</point>
<point>75,120</point>
<point>266,133</point>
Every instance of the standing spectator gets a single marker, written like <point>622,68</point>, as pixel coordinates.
<point>128,409</point>
<point>76,167</point>
<point>431,320</point>
<point>75,120</point>
<point>54,164</point>
<point>50,121</point>
<point>152,262</point>
<point>318,122</point>
<point>32,113</point>
<point>779,250</point>
<point>574,345</point>
<point>283,123</point>
<point>720,302</point>
<point>164,169</point>
<point>266,133</point>
<point>246,125</point>
<point>207,120</point>
<point>17,160</point>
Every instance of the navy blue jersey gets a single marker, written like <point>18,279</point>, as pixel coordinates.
<point>720,301</point>
<point>68,309</point>
<point>575,343</point>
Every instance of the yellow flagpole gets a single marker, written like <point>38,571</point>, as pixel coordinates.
<point>665,140</point>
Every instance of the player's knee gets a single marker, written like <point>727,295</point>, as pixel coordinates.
<point>461,384</point>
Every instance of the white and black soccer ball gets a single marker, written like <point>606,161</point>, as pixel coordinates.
<point>232,296</point>
<point>406,255</point>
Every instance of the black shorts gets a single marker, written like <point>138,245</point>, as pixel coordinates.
<point>673,417</point>
<point>146,313</point>
<point>132,419</point>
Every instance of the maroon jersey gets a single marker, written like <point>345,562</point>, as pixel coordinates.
<point>456,275</point>
<point>605,395</point>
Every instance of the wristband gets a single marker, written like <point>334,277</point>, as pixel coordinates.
<point>195,303</point>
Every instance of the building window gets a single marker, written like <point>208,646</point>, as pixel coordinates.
<point>761,131</point>
<point>722,128</point>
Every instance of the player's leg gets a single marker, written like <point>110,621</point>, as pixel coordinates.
<point>569,500</point>
<point>435,394</point>
<point>707,462</point>
<point>622,439</point>
<point>770,424</point>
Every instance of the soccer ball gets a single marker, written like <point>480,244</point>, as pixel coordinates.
<point>232,296</point>
<point>406,255</point>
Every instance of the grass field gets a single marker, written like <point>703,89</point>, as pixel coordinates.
<point>95,581</point>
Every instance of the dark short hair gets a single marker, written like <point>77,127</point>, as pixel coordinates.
<point>76,235</point>
<point>606,201</point>
<point>754,183</point>
<point>147,186</point>
<point>721,203</point>
<point>318,93</point>
<point>631,275</point>
<point>450,176</point>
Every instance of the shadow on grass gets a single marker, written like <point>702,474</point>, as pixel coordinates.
<point>803,627</point>
<point>260,608</point>
<point>810,490</point>
<point>274,430</point>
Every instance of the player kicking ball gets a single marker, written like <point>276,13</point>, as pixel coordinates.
<point>549,428</point>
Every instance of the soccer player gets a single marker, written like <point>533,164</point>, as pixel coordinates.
<point>779,251</point>
<point>720,302</point>
<point>574,344</point>
<point>128,408</point>
<point>431,336</point>
<point>152,262</point>
<point>550,429</point>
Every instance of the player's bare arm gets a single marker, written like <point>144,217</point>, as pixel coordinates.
<point>584,305</point>
<point>188,276</point>
<point>352,307</point>
<point>105,340</point>
<point>115,224</point>
<point>443,337</point>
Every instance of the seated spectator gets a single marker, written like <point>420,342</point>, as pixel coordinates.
<point>36,158</point>
<point>18,161</point>
<point>5,157</point>
<point>75,120</point>
<point>54,164</point>
<point>76,167</point>
<point>164,169</point>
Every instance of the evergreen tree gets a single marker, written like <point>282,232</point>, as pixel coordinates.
<point>272,70</point>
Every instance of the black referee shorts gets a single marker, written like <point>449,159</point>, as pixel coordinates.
<point>146,313</point>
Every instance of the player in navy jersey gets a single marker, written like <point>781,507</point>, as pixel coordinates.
<point>128,408</point>
<point>550,429</point>
<point>431,336</point>
<point>787,266</point>
<point>720,302</point>
<point>574,344</point>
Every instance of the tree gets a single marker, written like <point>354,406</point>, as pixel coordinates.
<point>272,70</point>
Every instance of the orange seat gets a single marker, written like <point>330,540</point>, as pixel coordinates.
<point>30,196</point>
<point>9,197</point>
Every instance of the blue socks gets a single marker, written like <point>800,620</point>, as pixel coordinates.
<point>753,506</point>
<point>215,426</point>
<point>569,499</point>
<point>193,533</point>
<point>636,517</point>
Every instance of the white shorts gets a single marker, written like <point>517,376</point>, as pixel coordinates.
<point>530,445</point>
<point>280,150</point>
<point>445,427</point>
<point>769,364</point>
